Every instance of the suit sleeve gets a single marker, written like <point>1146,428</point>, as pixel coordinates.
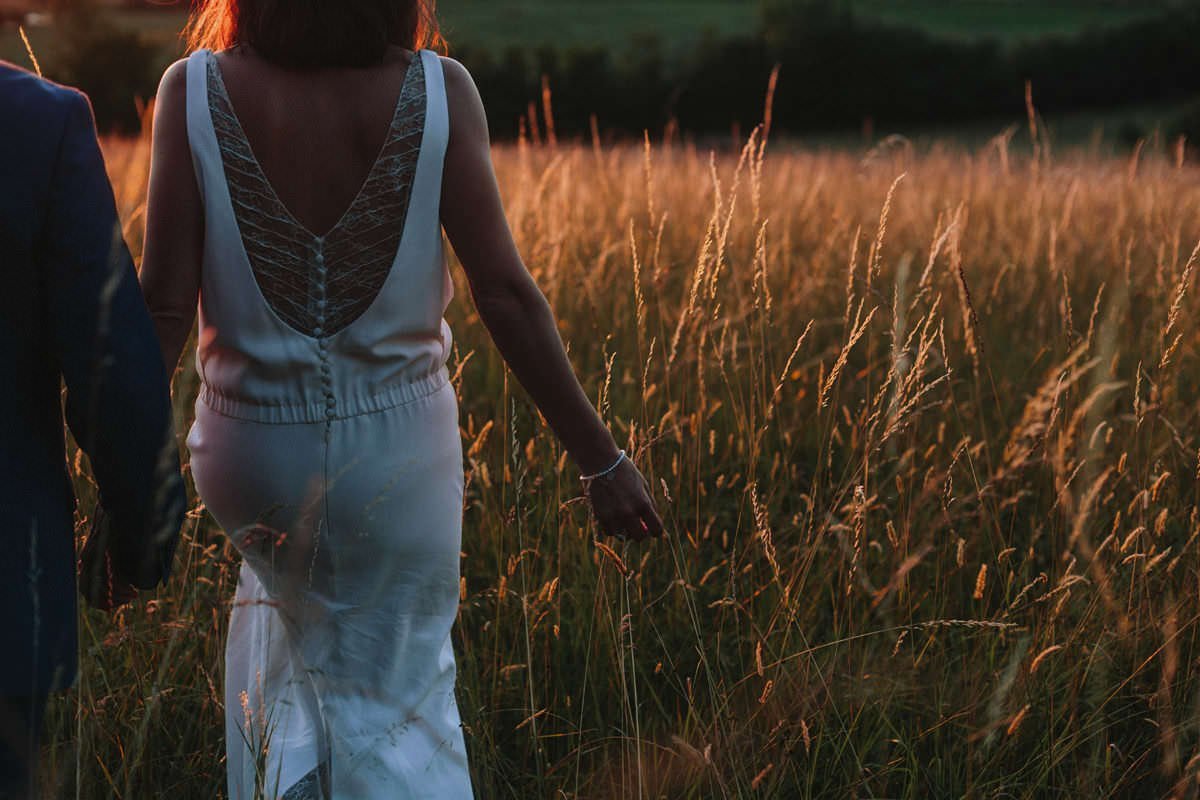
<point>117,394</point>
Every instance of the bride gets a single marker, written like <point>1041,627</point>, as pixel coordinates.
<point>306,159</point>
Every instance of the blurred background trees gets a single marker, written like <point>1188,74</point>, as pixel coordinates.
<point>703,65</point>
<point>116,66</point>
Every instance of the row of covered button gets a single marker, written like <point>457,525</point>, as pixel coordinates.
<point>319,333</point>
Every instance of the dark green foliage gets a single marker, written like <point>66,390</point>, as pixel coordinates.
<point>1187,125</point>
<point>839,69</point>
<point>114,66</point>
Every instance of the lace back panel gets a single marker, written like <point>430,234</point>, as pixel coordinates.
<point>318,285</point>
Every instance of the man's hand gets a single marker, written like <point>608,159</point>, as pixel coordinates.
<point>99,583</point>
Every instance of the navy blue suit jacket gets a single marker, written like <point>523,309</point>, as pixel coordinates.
<point>71,313</point>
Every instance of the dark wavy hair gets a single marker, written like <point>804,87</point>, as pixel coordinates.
<point>309,34</point>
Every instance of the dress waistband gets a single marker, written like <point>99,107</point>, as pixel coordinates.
<point>318,411</point>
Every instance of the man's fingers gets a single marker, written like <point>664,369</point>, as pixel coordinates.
<point>99,585</point>
<point>123,595</point>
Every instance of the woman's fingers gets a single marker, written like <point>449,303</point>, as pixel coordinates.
<point>625,509</point>
<point>610,523</point>
<point>638,525</point>
<point>653,522</point>
<point>621,524</point>
<point>636,528</point>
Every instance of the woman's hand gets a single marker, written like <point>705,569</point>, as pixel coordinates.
<point>622,503</point>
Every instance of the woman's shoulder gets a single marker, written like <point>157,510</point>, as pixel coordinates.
<point>171,97</point>
<point>170,106</point>
<point>458,78</point>
<point>172,88</point>
<point>462,98</point>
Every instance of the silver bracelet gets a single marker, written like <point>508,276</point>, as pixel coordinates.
<point>605,472</point>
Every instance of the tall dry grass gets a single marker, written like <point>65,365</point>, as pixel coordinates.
<point>924,431</point>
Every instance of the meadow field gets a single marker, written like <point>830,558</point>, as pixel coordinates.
<point>923,428</point>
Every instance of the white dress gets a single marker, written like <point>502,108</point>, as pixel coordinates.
<point>326,445</point>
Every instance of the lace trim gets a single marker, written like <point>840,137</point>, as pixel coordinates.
<point>310,786</point>
<point>319,285</point>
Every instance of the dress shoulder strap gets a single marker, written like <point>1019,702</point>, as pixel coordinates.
<point>437,121</point>
<point>202,139</point>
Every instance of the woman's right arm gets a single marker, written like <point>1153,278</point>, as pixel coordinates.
<point>170,273</point>
<point>519,318</point>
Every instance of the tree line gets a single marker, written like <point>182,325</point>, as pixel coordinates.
<point>837,71</point>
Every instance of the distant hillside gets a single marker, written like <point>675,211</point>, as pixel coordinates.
<point>1008,19</point>
<point>533,22</point>
<point>678,23</point>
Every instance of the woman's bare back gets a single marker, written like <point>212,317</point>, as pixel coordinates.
<point>316,134</point>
